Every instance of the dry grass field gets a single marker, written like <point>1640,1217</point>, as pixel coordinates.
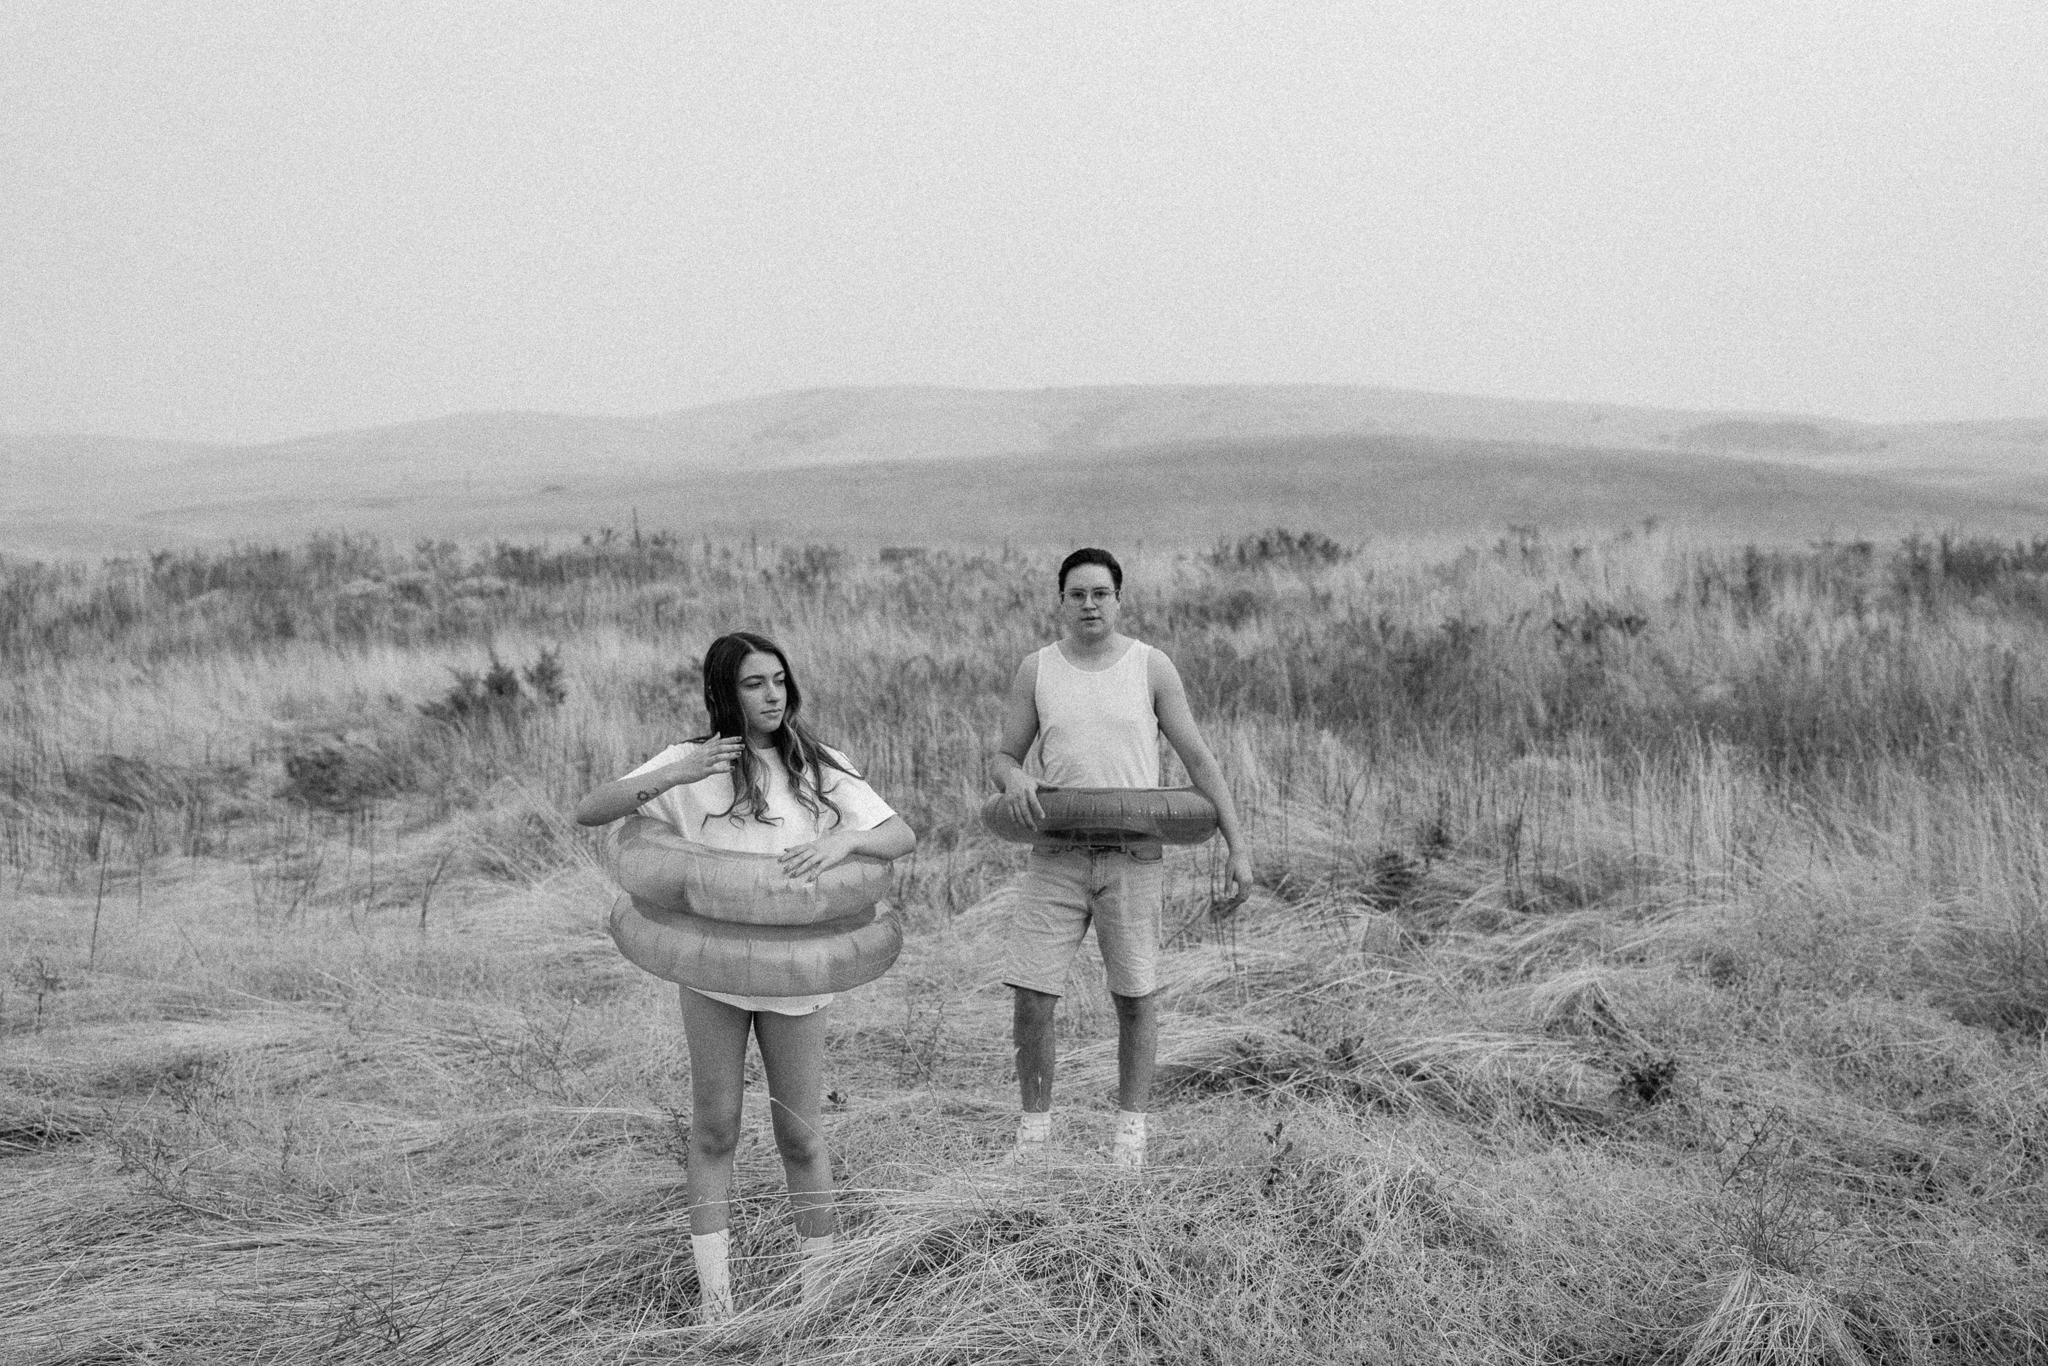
<point>1650,963</point>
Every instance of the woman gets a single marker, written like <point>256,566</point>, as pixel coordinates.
<point>759,783</point>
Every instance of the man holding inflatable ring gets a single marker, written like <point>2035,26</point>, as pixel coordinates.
<point>1096,702</point>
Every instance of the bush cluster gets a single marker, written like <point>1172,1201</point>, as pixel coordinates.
<point>496,694</point>
<point>1278,545</point>
<point>1812,660</point>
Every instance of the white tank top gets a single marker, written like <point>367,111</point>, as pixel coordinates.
<point>1097,729</point>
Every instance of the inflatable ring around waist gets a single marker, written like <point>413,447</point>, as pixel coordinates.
<point>726,921</point>
<point>1108,815</point>
<point>654,863</point>
<point>755,960</point>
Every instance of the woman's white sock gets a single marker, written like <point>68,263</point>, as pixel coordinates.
<point>812,1266</point>
<point>711,1252</point>
<point>1034,1127</point>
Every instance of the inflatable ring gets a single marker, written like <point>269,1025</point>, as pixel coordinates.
<point>651,861</point>
<point>755,960</point>
<point>1108,815</point>
<point>720,920</point>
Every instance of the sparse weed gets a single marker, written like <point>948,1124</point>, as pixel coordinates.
<point>40,981</point>
<point>924,1036</point>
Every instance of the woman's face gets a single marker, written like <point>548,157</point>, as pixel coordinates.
<point>764,693</point>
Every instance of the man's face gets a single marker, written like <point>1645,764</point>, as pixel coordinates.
<point>1089,603</point>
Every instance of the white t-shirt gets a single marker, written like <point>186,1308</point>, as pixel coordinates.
<point>692,811</point>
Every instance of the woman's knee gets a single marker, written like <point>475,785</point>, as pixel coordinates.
<point>797,1136</point>
<point>800,1144</point>
<point>714,1135</point>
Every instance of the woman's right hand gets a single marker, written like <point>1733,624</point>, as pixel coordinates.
<point>716,755</point>
<point>621,797</point>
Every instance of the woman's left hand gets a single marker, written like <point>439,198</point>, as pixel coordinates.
<point>806,861</point>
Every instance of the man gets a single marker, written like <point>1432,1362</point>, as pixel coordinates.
<point>1096,702</point>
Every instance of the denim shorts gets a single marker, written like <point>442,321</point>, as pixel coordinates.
<point>1120,890</point>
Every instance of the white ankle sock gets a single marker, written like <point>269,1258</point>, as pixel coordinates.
<point>811,1266</point>
<point>711,1252</point>
<point>1034,1127</point>
<point>1128,1148</point>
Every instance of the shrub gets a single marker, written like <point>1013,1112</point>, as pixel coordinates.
<point>1278,545</point>
<point>812,566</point>
<point>496,694</point>
<point>545,677</point>
<point>341,776</point>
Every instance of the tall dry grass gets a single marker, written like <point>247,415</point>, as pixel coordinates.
<point>1649,962</point>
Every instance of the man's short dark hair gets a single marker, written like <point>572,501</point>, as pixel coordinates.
<point>1089,554</point>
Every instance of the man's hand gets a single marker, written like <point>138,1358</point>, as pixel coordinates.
<point>806,861</point>
<point>1237,882</point>
<point>1020,798</point>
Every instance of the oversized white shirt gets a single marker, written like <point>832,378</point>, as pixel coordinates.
<point>692,811</point>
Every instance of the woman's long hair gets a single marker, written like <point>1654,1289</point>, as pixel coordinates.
<point>804,757</point>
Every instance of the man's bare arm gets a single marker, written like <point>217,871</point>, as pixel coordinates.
<point>1020,728</point>
<point>1177,723</point>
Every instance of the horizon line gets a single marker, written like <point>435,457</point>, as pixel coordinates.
<point>752,396</point>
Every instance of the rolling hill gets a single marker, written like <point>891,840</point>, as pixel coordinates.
<point>883,466</point>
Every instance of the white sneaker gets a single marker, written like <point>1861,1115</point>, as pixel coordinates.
<point>1128,1148</point>
<point>1034,1136</point>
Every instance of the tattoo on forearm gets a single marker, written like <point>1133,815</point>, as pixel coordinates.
<point>646,794</point>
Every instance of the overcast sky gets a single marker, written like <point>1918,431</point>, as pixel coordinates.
<point>247,219</point>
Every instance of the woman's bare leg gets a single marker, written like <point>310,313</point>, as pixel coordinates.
<point>793,1051</point>
<point>717,1034</point>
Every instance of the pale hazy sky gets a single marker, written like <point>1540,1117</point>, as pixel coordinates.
<point>256,218</point>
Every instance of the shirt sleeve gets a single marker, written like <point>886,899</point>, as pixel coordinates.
<point>860,806</point>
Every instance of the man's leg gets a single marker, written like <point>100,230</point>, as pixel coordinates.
<point>1137,1051</point>
<point>1128,905</point>
<point>1031,1029</point>
<point>1050,920</point>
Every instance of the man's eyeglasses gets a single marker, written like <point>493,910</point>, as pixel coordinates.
<point>1088,597</point>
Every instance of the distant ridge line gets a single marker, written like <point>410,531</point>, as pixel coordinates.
<point>1404,398</point>
<point>735,463</point>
